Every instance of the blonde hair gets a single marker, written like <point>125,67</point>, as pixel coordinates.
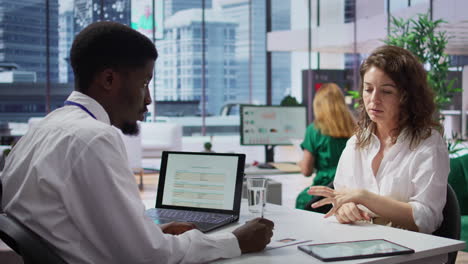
<point>332,116</point>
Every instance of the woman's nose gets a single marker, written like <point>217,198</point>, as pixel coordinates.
<point>375,97</point>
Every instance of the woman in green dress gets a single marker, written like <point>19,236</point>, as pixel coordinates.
<point>325,139</point>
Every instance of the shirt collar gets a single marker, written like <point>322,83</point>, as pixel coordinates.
<point>402,137</point>
<point>92,105</point>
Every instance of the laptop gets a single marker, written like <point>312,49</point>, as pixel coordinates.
<point>199,187</point>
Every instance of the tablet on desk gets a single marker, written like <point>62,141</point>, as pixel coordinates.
<point>355,249</point>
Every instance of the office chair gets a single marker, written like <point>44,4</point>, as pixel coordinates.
<point>32,248</point>
<point>451,225</point>
<point>322,209</point>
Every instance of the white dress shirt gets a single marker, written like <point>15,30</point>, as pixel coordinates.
<point>67,179</point>
<point>417,176</point>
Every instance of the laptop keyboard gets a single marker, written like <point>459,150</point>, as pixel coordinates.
<point>190,216</point>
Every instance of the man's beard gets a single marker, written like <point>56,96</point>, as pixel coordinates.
<point>131,129</point>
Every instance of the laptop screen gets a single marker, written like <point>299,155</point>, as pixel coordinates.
<point>201,180</point>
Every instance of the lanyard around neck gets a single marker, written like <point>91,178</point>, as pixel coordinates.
<point>80,106</point>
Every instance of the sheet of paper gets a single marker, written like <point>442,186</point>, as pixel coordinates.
<point>285,242</point>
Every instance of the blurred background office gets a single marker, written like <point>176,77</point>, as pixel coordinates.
<point>218,54</point>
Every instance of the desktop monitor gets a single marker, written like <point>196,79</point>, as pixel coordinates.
<point>271,126</point>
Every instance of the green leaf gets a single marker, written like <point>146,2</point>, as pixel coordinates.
<point>354,94</point>
<point>422,37</point>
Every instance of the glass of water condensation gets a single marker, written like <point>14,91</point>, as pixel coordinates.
<point>256,194</point>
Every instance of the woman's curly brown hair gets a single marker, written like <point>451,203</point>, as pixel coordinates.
<point>417,105</point>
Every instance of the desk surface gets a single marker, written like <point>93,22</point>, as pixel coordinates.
<point>308,225</point>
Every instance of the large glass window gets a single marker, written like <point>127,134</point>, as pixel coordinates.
<point>281,61</point>
<point>213,56</point>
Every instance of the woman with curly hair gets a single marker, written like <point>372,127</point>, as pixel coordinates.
<point>394,169</point>
<point>325,139</point>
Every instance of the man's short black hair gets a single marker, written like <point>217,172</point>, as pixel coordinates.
<point>106,44</point>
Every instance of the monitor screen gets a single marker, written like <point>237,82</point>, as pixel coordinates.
<point>272,125</point>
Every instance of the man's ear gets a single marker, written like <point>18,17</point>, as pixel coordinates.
<point>107,79</point>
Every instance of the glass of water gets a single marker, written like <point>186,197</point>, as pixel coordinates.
<point>256,194</point>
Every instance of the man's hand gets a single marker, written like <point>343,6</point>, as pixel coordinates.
<point>254,235</point>
<point>177,228</point>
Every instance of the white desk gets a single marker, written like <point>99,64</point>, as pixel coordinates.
<point>308,225</point>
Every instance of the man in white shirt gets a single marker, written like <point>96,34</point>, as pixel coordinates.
<point>67,178</point>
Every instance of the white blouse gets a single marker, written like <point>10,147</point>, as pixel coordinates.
<point>417,176</point>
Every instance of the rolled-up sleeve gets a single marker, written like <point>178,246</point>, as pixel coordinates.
<point>310,140</point>
<point>430,169</point>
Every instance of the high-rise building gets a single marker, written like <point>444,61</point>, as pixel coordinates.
<point>252,36</point>
<point>23,36</point>
<point>180,63</point>
<point>89,11</point>
<point>66,35</point>
<point>281,61</point>
<point>173,6</point>
<point>238,10</point>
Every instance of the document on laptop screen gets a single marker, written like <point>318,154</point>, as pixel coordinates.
<point>200,181</point>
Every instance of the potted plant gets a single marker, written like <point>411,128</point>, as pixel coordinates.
<point>421,37</point>
<point>289,100</point>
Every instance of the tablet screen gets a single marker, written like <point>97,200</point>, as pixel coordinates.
<point>355,249</point>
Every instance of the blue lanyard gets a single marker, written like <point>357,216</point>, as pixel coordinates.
<point>80,106</point>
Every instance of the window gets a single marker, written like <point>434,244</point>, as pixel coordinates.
<point>234,45</point>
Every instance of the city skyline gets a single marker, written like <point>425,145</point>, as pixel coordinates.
<point>23,37</point>
<point>227,51</point>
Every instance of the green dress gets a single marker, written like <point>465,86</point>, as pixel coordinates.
<point>327,151</point>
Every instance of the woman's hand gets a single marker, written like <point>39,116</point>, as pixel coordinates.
<point>337,198</point>
<point>349,213</point>
<point>399,213</point>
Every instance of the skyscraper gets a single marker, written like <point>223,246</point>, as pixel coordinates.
<point>281,61</point>
<point>173,6</point>
<point>180,64</point>
<point>238,10</point>
<point>66,35</point>
<point>23,36</point>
